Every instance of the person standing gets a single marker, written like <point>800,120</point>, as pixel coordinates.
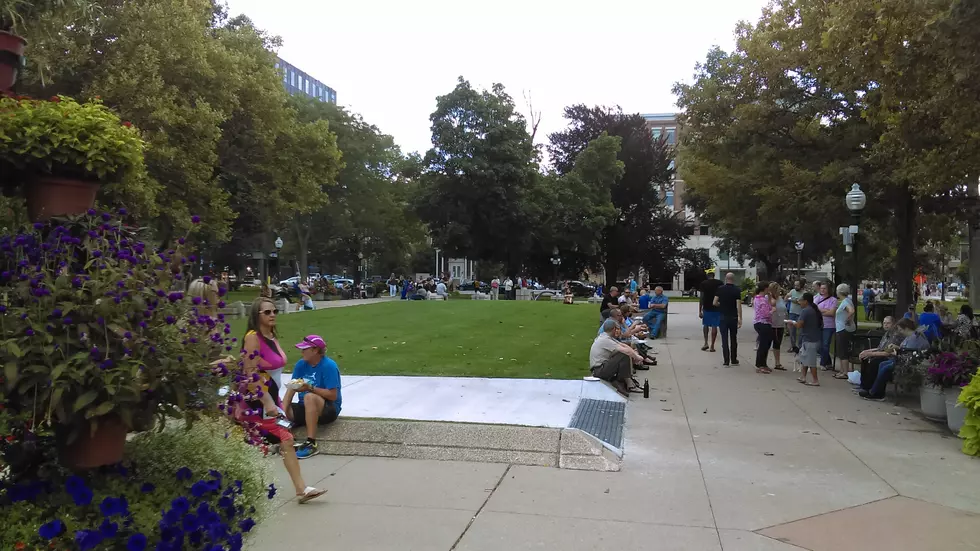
<point>827,304</point>
<point>779,315</point>
<point>392,285</point>
<point>810,326</point>
<point>494,288</point>
<point>793,312</point>
<point>632,284</point>
<point>762,322</point>
<point>509,288</point>
<point>868,300</point>
<point>708,312</point>
<point>728,300</point>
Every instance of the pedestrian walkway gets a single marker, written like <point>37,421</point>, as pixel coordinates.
<point>715,459</point>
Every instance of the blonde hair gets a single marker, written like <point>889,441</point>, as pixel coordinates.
<point>774,289</point>
<point>208,292</point>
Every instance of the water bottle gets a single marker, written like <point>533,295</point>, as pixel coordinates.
<point>646,388</point>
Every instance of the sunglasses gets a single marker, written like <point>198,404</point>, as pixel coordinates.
<point>271,312</point>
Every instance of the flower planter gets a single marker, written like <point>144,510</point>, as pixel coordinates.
<point>103,447</point>
<point>51,196</point>
<point>932,402</point>
<point>11,59</point>
<point>955,416</point>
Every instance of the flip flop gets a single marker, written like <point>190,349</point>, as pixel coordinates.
<point>779,368</point>
<point>840,376</point>
<point>801,381</point>
<point>711,350</point>
<point>812,384</point>
<point>310,493</point>
<point>704,348</point>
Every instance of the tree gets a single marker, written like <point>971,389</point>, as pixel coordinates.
<point>479,175</point>
<point>644,229</point>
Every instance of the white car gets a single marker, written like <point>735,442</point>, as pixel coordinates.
<point>289,282</point>
<point>343,283</point>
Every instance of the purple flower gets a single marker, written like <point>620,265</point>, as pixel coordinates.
<point>171,320</point>
<point>147,488</point>
<point>97,254</point>
<point>122,212</point>
<point>66,321</point>
<point>29,332</point>
<point>184,473</point>
<point>91,212</point>
<point>195,219</point>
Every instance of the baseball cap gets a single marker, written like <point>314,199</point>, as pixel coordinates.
<point>312,341</point>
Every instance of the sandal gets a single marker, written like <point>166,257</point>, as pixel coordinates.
<point>704,348</point>
<point>310,493</point>
<point>763,370</point>
<point>779,367</point>
<point>840,376</point>
<point>711,350</point>
<point>812,384</point>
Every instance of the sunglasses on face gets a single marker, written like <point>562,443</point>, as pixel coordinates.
<point>271,312</point>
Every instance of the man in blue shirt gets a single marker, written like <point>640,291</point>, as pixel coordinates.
<point>658,312</point>
<point>644,302</point>
<point>317,380</point>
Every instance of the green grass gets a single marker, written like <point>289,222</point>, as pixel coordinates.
<point>538,340</point>
<point>244,295</point>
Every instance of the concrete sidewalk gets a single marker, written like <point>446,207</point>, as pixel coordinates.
<point>715,459</point>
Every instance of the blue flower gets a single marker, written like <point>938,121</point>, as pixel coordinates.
<point>195,219</point>
<point>199,488</point>
<point>112,506</point>
<point>246,525</point>
<point>87,539</point>
<point>181,505</point>
<point>108,529</point>
<point>272,491</point>
<point>136,542</point>
<point>51,529</point>
<point>80,493</point>
<point>147,488</point>
<point>184,473</point>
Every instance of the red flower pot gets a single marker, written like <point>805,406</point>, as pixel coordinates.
<point>11,56</point>
<point>103,447</point>
<point>49,196</point>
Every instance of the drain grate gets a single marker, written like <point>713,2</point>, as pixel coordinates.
<point>602,419</point>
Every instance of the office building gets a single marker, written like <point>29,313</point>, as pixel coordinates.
<point>299,82</point>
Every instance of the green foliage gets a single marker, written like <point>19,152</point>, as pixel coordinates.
<point>479,175</point>
<point>63,137</point>
<point>970,433</point>
<point>149,483</point>
<point>643,228</point>
<point>90,328</point>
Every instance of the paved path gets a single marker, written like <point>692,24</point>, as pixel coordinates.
<point>715,459</point>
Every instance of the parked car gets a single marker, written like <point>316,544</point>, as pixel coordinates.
<point>468,286</point>
<point>343,283</point>
<point>581,288</point>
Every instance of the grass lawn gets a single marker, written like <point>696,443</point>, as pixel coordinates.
<point>524,339</point>
<point>246,295</point>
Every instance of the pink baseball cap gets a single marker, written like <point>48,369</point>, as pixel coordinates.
<point>312,341</point>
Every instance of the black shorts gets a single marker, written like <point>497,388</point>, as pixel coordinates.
<point>843,348</point>
<point>777,337</point>
<point>328,415</point>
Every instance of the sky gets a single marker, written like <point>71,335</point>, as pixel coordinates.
<point>389,59</point>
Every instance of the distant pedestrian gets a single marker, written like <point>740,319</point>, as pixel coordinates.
<point>728,300</point>
<point>794,310</point>
<point>762,304</point>
<point>392,285</point>
<point>708,312</point>
<point>827,304</point>
<point>779,315</point>
<point>810,326</point>
<point>509,288</point>
<point>494,288</point>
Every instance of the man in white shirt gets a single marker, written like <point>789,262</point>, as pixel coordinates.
<point>508,287</point>
<point>441,290</point>
<point>612,360</point>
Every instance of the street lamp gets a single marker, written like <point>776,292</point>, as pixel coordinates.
<point>278,245</point>
<point>555,261</point>
<point>855,201</point>
<point>799,259</point>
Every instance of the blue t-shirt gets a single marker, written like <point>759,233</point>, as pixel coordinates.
<point>632,285</point>
<point>325,374</point>
<point>934,324</point>
<point>644,302</point>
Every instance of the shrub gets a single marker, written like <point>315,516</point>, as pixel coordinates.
<point>970,433</point>
<point>949,369</point>
<point>184,489</point>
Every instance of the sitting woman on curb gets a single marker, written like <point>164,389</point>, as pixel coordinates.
<point>262,362</point>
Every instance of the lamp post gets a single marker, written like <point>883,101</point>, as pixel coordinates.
<point>799,259</point>
<point>278,245</point>
<point>555,261</point>
<point>855,201</point>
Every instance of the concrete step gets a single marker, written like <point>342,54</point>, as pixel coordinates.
<point>517,445</point>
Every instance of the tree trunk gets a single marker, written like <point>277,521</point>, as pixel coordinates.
<point>905,269</point>
<point>302,241</point>
<point>974,264</point>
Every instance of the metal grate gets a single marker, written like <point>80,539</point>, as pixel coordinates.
<point>602,419</point>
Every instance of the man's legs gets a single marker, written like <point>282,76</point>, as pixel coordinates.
<point>725,355</point>
<point>826,337</point>
<point>617,370</point>
<point>658,318</point>
<point>885,371</point>
<point>794,344</point>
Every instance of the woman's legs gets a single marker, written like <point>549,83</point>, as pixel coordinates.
<point>777,341</point>
<point>764,330</point>
<point>292,466</point>
<point>828,335</point>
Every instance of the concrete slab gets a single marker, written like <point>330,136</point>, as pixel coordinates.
<point>493,531</point>
<point>409,483</point>
<point>740,540</point>
<point>896,524</point>
<point>667,497</point>
<point>512,457</point>
<point>315,470</point>
<point>320,525</point>
<point>483,436</point>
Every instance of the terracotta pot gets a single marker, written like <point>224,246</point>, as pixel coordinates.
<point>49,196</point>
<point>104,447</point>
<point>11,57</point>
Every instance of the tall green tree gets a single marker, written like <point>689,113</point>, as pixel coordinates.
<point>644,232</point>
<point>479,177</point>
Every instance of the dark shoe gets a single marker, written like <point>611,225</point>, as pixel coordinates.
<point>725,364</point>
<point>734,362</point>
<point>641,367</point>
<point>874,398</point>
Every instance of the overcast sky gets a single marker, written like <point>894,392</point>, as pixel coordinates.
<point>389,59</point>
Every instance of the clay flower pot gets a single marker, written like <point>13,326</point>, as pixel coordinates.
<point>103,447</point>
<point>51,196</point>
<point>11,58</point>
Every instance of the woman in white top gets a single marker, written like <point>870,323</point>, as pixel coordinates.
<point>778,322</point>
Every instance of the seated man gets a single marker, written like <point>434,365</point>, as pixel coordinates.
<point>644,301</point>
<point>318,383</point>
<point>872,358</point>
<point>931,321</point>
<point>441,290</point>
<point>658,312</point>
<point>912,341</point>
<point>611,360</point>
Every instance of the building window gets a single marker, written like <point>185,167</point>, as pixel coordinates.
<point>704,230</point>
<point>656,133</point>
<point>669,199</point>
<point>292,78</point>
<point>671,135</point>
